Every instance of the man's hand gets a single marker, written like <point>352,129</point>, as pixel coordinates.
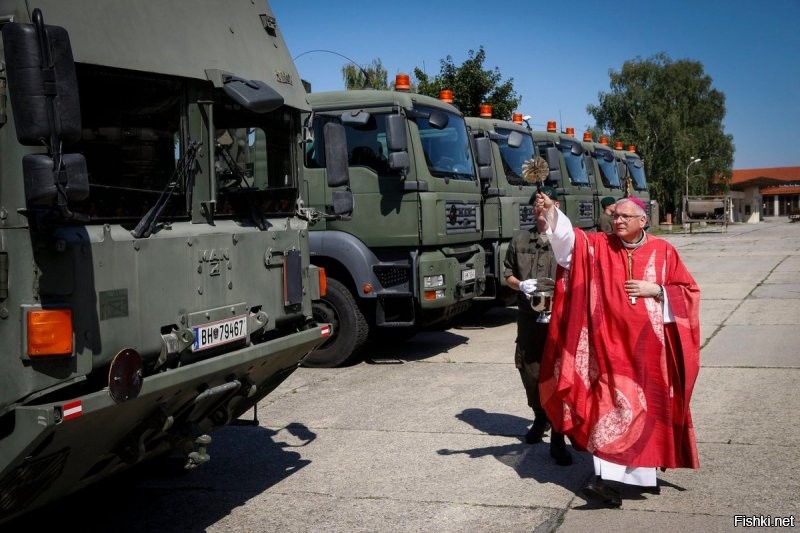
<point>528,286</point>
<point>545,211</point>
<point>639,288</point>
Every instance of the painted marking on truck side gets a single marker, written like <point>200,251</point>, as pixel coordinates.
<point>72,409</point>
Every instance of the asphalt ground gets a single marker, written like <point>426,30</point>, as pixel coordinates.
<point>429,435</point>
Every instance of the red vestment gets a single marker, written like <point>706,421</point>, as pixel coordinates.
<point>614,377</point>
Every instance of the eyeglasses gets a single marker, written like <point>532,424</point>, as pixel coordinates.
<point>625,217</point>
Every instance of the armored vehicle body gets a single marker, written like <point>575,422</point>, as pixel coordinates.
<point>155,281</point>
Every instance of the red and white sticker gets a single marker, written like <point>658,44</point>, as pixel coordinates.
<point>325,331</point>
<point>72,410</point>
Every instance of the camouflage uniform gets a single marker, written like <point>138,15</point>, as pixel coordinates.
<point>529,256</point>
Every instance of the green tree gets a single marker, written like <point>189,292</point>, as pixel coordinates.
<point>670,111</point>
<point>354,77</point>
<point>471,86</point>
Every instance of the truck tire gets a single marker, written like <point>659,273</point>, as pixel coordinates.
<point>350,328</point>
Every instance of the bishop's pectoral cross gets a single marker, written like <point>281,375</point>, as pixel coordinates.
<point>630,273</point>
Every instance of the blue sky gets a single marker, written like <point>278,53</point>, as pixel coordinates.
<point>559,54</point>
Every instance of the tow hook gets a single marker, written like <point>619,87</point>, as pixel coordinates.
<point>200,456</point>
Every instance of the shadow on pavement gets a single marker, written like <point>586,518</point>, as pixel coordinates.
<point>527,460</point>
<point>161,496</point>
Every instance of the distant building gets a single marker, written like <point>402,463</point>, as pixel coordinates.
<point>764,192</point>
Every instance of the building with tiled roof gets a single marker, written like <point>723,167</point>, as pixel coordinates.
<point>760,192</point>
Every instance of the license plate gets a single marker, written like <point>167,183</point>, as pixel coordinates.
<point>468,275</point>
<point>218,333</point>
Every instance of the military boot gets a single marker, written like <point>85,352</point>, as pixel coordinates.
<point>558,449</point>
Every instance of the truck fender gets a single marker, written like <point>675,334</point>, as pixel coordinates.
<point>350,252</point>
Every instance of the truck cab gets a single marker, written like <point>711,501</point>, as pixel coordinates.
<point>633,174</point>
<point>568,174</point>
<point>410,254</point>
<point>505,195</point>
<point>603,165</point>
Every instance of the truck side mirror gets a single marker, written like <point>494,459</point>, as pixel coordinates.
<point>40,83</point>
<point>253,95</point>
<point>336,167</point>
<point>43,88</point>
<point>515,139</point>
<point>396,142</point>
<point>483,154</point>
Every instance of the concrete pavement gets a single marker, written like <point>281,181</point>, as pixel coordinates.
<point>428,436</point>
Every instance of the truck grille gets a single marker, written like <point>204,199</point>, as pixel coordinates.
<point>392,276</point>
<point>461,217</point>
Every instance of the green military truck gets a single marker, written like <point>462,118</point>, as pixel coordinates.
<point>603,166</point>
<point>410,255</point>
<point>633,175</point>
<point>505,196</point>
<point>568,174</point>
<point>155,281</point>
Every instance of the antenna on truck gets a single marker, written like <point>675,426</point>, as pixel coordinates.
<point>367,79</point>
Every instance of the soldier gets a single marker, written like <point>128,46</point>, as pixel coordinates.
<point>528,262</point>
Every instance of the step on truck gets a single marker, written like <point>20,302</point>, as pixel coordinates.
<point>155,281</point>
<point>410,255</point>
<point>568,174</point>
<point>508,145</point>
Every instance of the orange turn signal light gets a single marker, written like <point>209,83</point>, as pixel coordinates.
<point>618,145</point>
<point>446,95</point>
<point>631,148</point>
<point>587,136</point>
<point>323,282</point>
<point>49,332</point>
<point>604,140</point>
<point>571,132</point>
<point>486,110</point>
<point>551,126</point>
<point>516,118</point>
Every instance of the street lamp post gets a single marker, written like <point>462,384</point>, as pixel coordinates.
<point>686,193</point>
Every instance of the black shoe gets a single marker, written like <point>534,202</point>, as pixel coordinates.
<point>560,454</point>
<point>597,490</point>
<point>537,430</point>
<point>651,490</point>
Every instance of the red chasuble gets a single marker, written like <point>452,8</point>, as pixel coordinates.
<point>614,377</point>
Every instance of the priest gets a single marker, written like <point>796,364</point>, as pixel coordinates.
<point>623,349</point>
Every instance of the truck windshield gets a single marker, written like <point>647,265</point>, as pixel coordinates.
<point>447,150</point>
<point>130,138</point>
<point>513,158</point>
<point>253,161</point>
<point>573,156</point>
<point>636,169</point>
<point>608,167</point>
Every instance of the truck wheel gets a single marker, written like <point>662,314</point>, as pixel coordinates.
<point>350,328</point>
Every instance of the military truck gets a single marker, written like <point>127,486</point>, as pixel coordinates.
<point>410,255</point>
<point>603,166</point>
<point>155,281</point>
<point>568,174</point>
<point>634,178</point>
<point>505,195</point>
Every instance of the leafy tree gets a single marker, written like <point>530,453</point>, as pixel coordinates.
<point>670,111</point>
<point>354,77</point>
<point>471,86</point>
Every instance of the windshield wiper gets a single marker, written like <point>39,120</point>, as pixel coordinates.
<point>183,170</point>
